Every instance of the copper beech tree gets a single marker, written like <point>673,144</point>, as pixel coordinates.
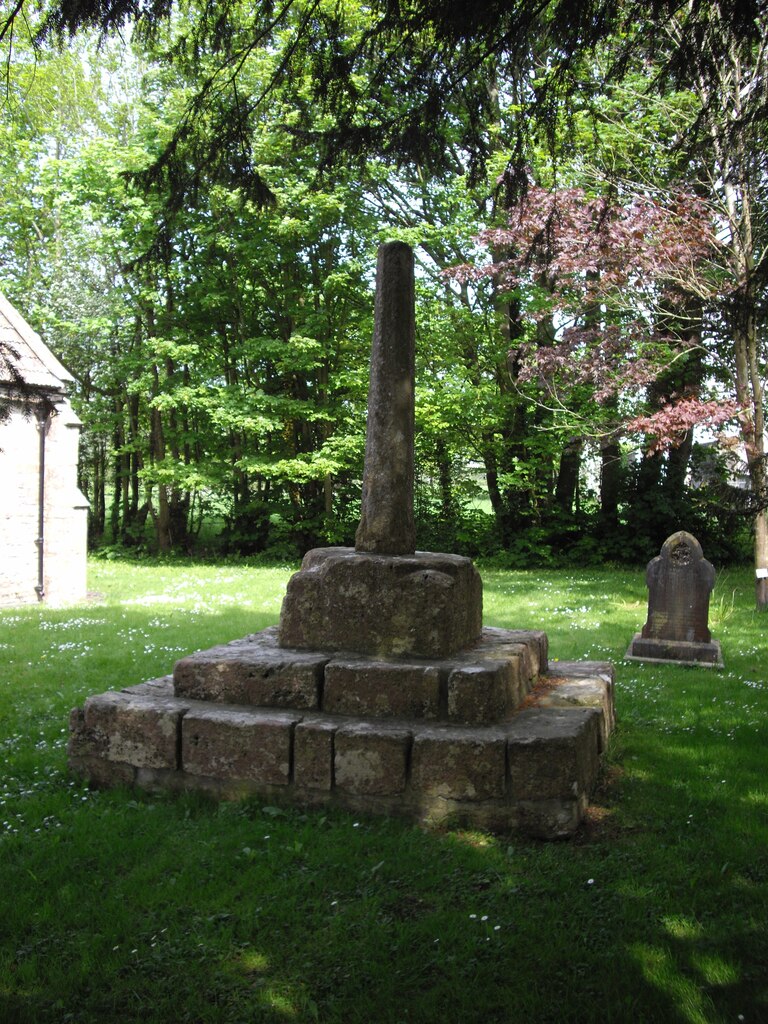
<point>629,281</point>
<point>618,279</point>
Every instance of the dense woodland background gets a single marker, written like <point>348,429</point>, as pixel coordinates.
<point>191,198</point>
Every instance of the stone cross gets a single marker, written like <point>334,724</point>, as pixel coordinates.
<point>680,581</point>
<point>387,524</point>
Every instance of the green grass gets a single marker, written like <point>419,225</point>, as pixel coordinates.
<point>120,907</point>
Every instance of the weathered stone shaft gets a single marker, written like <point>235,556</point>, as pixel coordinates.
<point>386,524</point>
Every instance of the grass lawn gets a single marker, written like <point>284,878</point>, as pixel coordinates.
<point>120,907</point>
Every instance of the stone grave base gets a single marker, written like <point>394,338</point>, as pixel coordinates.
<point>678,652</point>
<point>490,737</point>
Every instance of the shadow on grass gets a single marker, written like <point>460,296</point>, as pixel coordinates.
<point>124,907</point>
<point>136,908</point>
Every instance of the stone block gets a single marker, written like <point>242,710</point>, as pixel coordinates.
<point>162,687</point>
<point>142,731</point>
<point>553,753</point>
<point>313,742</point>
<point>79,740</point>
<point>101,774</point>
<point>681,652</point>
<point>490,679</point>
<point>238,743</point>
<point>85,755</point>
<point>603,669</point>
<point>252,671</point>
<point>371,758</point>
<point>551,819</point>
<point>529,645</point>
<point>582,692</point>
<point>458,764</point>
<point>483,694</point>
<point>381,689</point>
<point>426,604</point>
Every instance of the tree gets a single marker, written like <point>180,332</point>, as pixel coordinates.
<point>219,343</point>
<point>237,289</point>
<point>390,73</point>
<point>730,79</point>
<point>709,137</point>
<point>48,101</point>
<point>633,268</point>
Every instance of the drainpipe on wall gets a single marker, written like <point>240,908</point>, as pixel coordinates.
<point>43,420</point>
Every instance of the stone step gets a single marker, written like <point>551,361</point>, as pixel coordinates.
<point>477,686</point>
<point>581,684</point>
<point>532,772</point>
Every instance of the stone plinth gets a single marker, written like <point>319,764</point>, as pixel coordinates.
<point>253,671</point>
<point>426,604</point>
<point>530,770</point>
<point>246,744</point>
<point>681,652</point>
<point>570,686</point>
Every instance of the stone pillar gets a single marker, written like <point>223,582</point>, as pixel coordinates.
<point>387,524</point>
<point>382,597</point>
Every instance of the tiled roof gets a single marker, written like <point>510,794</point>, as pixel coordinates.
<point>24,355</point>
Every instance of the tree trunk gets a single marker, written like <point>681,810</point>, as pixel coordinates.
<point>677,468</point>
<point>495,496</point>
<point>568,476</point>
<point>739,175</point>
<point>610,484</point>
<point>761,560</point>
<point>117,469</point>
<point>445,477</point>
<point>98,496</point>
<point>161,516</point>
<point>749,390</point>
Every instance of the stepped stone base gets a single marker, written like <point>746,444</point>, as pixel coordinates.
<point>680,652</point>
<point>476,686</point>
<point>486,738</point>
<point>426,604</point>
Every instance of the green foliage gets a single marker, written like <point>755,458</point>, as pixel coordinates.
<point>177,224</point>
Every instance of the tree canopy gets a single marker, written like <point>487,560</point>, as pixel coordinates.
<point>192,198</point>
<point>391,75</point>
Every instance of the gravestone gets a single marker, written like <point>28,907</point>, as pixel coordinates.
<point>380,690</point>
<point>680,581</point>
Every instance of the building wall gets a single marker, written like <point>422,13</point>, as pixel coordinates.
<point>66,510</point>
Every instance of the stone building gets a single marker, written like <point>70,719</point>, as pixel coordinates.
<point>43,515</point>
